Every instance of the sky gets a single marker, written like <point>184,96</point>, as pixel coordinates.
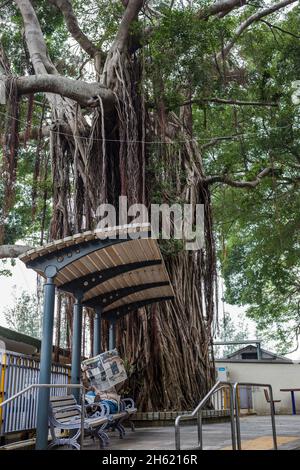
<point>24,279</point>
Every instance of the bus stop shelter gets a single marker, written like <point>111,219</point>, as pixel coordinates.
<point>114,271</point>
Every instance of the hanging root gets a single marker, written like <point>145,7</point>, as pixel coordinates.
<point>119,76</point>
<point>96,158</point>
<point>170,344</point>
<point>10,149</point>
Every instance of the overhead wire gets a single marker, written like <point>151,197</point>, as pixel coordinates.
<point>198,139</point>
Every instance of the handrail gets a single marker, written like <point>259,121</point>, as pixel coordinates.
<point>238,428</point>
<point>30,387</point>
<point>197,413</point>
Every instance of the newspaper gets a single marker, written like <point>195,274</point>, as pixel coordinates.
<point>105,370</point>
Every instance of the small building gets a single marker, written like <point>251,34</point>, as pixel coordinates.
<point>250,365</point>
<point>16,342</point>
<point>250,352</point>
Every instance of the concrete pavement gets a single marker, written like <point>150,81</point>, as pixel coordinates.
<point>256,433</point>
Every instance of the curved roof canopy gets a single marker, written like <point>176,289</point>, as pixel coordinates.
<point>118,269</point>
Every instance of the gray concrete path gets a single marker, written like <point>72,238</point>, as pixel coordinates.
<point>256,433</point>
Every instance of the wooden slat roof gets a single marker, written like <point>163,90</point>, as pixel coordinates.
<point>124,272</point>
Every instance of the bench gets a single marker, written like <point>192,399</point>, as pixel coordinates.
<point>65,414</point>
<point>267,397</point>
<point>116,420</point>
<point>127,410</point>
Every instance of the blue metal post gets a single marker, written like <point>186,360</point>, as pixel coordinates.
<point>46,360</point>
<point>76,344</point>
<point>293,402</point>
<point>97,331</point>
<point>258,348</point>
<point>112,334</point>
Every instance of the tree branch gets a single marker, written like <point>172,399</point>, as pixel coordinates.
<point>215,140</point>
<point>83,93</point>
<point>47,78</point>
<point>228,102</point>
<point>37,133</point>
<point>219,9</point>
<point>273,26</point>
<point>34,39</point>
<point>222,6</point>
<point>238,184</point>
<point>131,13</point>
<point>251,19</point>
<point>13,251</point>
<point>74,29</point>
<point>65,7</point>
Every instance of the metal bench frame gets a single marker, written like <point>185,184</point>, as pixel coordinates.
<point>127,410</point>
<point>95,425</point>
<point>115,421</point>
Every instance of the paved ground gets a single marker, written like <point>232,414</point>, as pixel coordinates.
<point>256,433</point>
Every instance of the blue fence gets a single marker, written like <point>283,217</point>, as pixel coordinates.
<point>17,372</point>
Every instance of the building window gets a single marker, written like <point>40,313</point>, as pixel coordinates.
<point>249,355</point>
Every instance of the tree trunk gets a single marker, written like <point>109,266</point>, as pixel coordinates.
<point>168,346</point>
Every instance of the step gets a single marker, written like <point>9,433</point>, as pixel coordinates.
<point>18,445</point>
<point>167,418</point>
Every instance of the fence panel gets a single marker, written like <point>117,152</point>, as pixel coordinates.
<point>221,400</point>
<point>18,371</point>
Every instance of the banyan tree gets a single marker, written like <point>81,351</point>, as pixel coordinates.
<point>103,97</point>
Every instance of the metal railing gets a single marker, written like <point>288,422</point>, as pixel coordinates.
<point>37,386</point>
<point>197,414</point>
<point>237,411</point>
<point>234,413</point>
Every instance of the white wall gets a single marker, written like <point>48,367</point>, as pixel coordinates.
<point>275,374</point>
